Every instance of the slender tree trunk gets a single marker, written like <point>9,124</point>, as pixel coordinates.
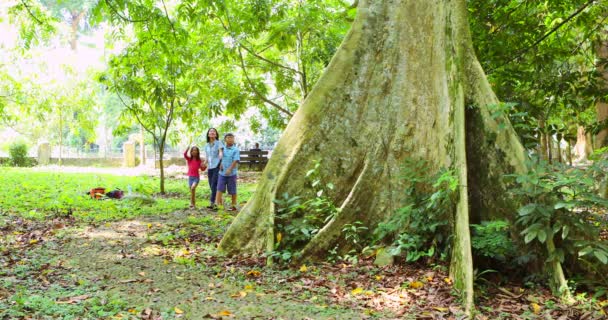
<point>601,139</point>
<point>559,148</point>
<point>60,135</point>
<point>581,148</point>
<point>405,84</point>
<point>543,140</point>
<point>161,152</point>
<point>559,285</point>
<point>570,153</point>
<point>76,18</point>
<point>602,105</point>
<point>142,146</point>
<point>550,148</point>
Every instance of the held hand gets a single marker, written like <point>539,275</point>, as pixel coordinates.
<point>228,172</point>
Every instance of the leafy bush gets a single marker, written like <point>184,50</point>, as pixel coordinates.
<point>414,230</point>
<point>18,154</point>
<point>298,220</point>
<point>560,207</point>
<point>491,239</point>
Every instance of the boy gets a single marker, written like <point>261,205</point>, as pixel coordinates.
<point>228,171</point>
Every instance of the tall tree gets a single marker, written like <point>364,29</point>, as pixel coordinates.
<point>159,74</point>
<point>73,12</point>
<point>404,84</point>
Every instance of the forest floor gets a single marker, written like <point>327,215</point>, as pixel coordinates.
<point>95,259</point>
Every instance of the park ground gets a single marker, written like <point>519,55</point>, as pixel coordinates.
<point>66,256</point>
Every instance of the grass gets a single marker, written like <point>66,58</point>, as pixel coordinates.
<point>40,195</point>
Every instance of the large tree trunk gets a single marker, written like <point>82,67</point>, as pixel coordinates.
<point>405,84</point>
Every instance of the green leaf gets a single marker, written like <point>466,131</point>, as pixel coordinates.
<point>527,209</point>
<point>585,251</point>
<point>542,236</point>
<point>530,236</point>
<point>565,231</point>
<point>601,255</point>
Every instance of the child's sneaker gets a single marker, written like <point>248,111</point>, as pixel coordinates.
<point>233,209</point>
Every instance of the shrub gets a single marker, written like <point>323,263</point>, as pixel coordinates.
<point>418,229</point>
<point>18,154</point>
<point>491,239</point>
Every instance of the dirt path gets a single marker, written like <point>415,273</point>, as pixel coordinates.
<point>121,259</point>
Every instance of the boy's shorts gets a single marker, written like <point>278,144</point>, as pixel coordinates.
<point>226,181</point>
<point>193,180</point>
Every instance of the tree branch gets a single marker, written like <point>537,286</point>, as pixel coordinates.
<point>249,82</point>
<point>123,17</point>
<point>546,35</point>
<point>30,12</point>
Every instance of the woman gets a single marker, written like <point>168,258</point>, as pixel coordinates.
<point>213,153</point>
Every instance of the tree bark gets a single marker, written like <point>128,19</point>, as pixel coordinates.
<point>76,18</point>
<point>60,135</point>
<point>602,105</point>
<point>543,140</point>
<point>405,84</point>
<point>142,146</point>
<point>581,148</point>
<point>161,152</point>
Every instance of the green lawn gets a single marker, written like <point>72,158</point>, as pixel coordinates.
<point>40,195</point>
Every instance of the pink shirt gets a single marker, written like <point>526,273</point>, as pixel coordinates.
<point>193,165</point>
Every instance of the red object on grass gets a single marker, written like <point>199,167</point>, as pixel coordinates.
<point>97,193</point>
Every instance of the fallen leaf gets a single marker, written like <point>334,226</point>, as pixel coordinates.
<point>535,307</point>
<point>225,313</point>
<point>254,274</point>
<point>178,310</point>
<point>248,287</point>
<point>129,281</point>
<point>416,285</point>
<point>356,291</point>
<point>143,274</point>
<point>303,268</point>
<point>448,281</point>
<point>241,294</point>
<point>75,299</point>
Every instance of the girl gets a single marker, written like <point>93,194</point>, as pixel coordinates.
<point>213,152</point>
<point>194,164</point>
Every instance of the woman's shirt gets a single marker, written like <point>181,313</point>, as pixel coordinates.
<point>212,152</point>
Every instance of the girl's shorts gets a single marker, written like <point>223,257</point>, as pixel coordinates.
<point>193,180</point>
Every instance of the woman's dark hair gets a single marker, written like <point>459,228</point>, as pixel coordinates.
<point>198,154</point>
<point>217,134</point>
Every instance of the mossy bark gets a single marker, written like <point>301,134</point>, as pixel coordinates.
<point>405,84</point>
